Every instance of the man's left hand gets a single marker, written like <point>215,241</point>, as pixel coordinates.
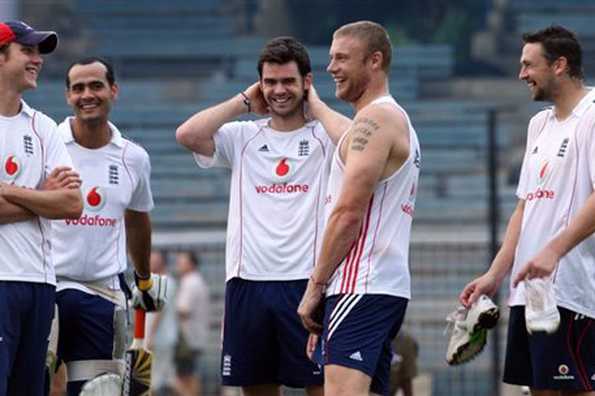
<point>540,266</point>
<point>311,307</point>
<point>149,294</point>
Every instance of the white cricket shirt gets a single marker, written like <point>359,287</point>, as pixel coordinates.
<point>30,148</point>
<point>378,262</point>
<point>277,185</point>
<point>557,177</point>
<point>116,177</point>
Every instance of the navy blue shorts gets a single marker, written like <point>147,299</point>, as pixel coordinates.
<point>26,313</point>
<point>264,341</point>
<point>563,360</point>
<point>88,330</point>
<point>358,332</point>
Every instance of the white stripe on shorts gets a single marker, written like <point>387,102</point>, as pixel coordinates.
<point>341,310</point>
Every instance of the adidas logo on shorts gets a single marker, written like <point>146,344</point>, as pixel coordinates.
<point>356,356</point>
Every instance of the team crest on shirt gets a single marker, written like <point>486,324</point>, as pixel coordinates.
<point>304,148</point>
<point>563,148</point>
<point>283,169</point>
<point>28,144</point>
<point>95,198</point>
<point>113,174</point>
<point>12,167</point>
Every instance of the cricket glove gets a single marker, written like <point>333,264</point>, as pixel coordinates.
<point>149,294</point>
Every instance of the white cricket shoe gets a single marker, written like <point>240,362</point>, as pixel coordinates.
<point>469,330</point>
<point>541,311</point>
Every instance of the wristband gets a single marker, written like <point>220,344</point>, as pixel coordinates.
<point>246,101</point>
<point>143,284</point>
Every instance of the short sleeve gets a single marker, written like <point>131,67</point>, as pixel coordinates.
<point>142,198</point>
<point>590,145</point>
<point>226,139</point>
<point>536,125</point>
<point>56,152</point>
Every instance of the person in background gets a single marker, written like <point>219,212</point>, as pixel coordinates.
<point>192,308</point>
<point>162,331</point>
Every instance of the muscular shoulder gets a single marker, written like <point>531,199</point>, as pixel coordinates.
<point>386,119</point>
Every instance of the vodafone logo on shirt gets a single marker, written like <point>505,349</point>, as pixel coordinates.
<point>408,206</point>
<point>544,175</point>
<point>12,166</point>
<point>95,199</point>
<point>283,170</point>
<point>544,172</point>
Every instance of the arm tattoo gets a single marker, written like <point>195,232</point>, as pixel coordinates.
<point>362,130</point>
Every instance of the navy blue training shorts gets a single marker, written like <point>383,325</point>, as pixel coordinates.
<point>563,360</point>
<point>264,341</point>
<point>358,332</point>
<point>26,313</point>
<point>88,330</point>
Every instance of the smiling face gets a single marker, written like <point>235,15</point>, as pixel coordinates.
<point>349,67</point>
<point>283,88</point>
<point>537,72</point>
<point>90,95</point>
<point>21,65</point>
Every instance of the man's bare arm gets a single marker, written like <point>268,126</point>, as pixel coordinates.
<point>335,123</point>
<point>371,140</point>
<point>63,203</point>
<point>11,213</point>
<point>198,131</point>
<point>60,177</point>
<point>138,238</point>
<point>370,145</point>
<point>489,282</point>
<point>581,226</point>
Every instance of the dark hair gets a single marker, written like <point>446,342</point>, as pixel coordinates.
<point>109,74</point>
<point>557,41</point>
<point>192,257</point>
<point>282,50</point>
<point>373,35</point>
<point>4,49</point>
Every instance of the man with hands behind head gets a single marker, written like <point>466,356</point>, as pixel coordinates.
<point>278,180</point>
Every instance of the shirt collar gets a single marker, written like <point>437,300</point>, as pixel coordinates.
<point>25,108</point>
<point>117,138</point>
<point>584,103</point>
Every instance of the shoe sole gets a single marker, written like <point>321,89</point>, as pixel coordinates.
<point>486,320</point>
<point>458,358</point>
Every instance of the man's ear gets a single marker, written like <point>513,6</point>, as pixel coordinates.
<point>115,88</point>
<point>308,81</point>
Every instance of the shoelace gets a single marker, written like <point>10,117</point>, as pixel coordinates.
<point>455,316</point>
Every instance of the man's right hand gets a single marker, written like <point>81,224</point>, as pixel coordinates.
<point>485,284</point>
<point>258,104</point>
<point>62,177</point>
<point>311,345</point>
